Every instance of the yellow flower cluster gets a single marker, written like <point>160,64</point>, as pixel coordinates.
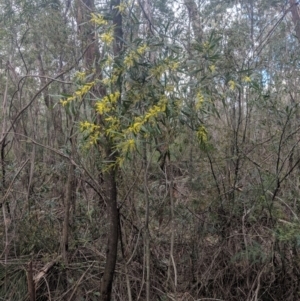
<point>69,99</point>
<point>78,93</point>
<point>98,19</point>
<point>88,126</point>
<point>155,110</point>
<point>142,49</point>
<point>92,129</point>
<point>130,58</point>
<point>152,113</point>
<point>231,84</point>
<point>137,125</point>
<point>246,79</point>
<point>134,55</point>
<point>124,148</point>
<point>173,65</point>
<point>121,8</point>
<point>159,70</point>
<point>107,37</point>
<point>110,80</point>
<point>80,75</point>
<point>199,100</point>
<point>109,60</point>
<point>127,146</point>
<point>212,68</point>
<point>84,89</point>
<point>105,105</point>
<point>206,45</point>
<point>113,126</point>
<point>170,88</point>
<point>202,134</point>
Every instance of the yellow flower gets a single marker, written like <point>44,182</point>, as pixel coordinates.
<point>88,126</point>
<point>163,102</point>
<point>231,84</point>
<point>157,109</point>
<point>102,107</point>
<point>246,79</point>
<point>106,81</point>
<point>84,89</point>
<point>153,112</point>
<point>131,145</point>
<point>141,49</point>
<point>117,72</point>
<point>128,61</point>
<point>98,19</point>
<point>136,127</point>
<point>114,79</point>
<point>179,103</point>
<point>105,104</point>
<point>170,88</point>
<point>84,125</point>
<point>126,147</point>
<point>199,100</point>
<point>212,68</point>
<point>87,87</point>
<point>202,134</point>
<point>63,102</point>
<point>93,138</point>
<point>114,124</point>
<point>80,75</point>
<point>120,161</point>
<point>158,71</point>
<point>114,97</point>
<point>107,37</point>
<point>206,45</point>
<point>109,60</point>
<point>109,80</point>
<point>173,65</point>
<point>121,8</point>
<point>130,58</point>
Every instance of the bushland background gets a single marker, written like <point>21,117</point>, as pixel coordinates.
<point>149,150</point>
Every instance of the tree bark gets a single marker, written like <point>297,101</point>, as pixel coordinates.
<point>86,32</point>
<point>113,234</point>
<point>110,179</point>
<point>194,17</point>
<point>295,17</point>
<point>147,233</point>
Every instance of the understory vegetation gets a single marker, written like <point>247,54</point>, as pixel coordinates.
<point>149,150</point>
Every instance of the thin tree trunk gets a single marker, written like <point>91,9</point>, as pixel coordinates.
<point>295,17</point>
<point>69,202</point>
<point>194,17</point>
<point>172,263</point>
<point>3,139</point>
<point>113,233</point>
<point>110,178</point>
<point>147,234</point>
<point>30,283</point>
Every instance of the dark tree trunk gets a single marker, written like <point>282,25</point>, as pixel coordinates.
<point>112,244</point>
<point>295,17</point>
<point>110,179</point>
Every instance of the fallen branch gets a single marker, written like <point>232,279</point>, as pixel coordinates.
<point>41,274</point>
